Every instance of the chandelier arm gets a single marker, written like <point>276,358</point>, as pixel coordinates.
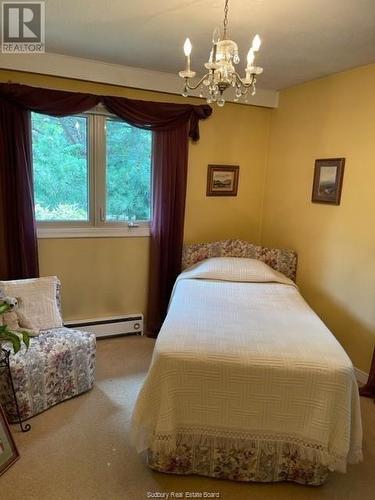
<point>194,87</point>
<point>242,82</point>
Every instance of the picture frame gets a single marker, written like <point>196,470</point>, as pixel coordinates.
<point>328,179</point>
<point>222,180</point>
<point>8,449</point>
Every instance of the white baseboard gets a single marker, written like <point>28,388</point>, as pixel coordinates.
<point>111,326</point>
<point>361,376</point>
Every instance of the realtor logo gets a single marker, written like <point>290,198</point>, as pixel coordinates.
<point>23,27</point>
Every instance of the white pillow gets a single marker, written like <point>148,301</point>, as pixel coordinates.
<point>236,269</point>
<point>37,305</point>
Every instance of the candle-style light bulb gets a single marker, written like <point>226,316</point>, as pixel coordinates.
<point>250,57</point>
<point>215,40</point>
<point>187,52</point>
<point>187,47</point>
<point>216,35</point>
<point>256,43</point>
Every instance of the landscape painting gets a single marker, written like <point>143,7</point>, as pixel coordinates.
<point>222,180</point>
<point>328,177</point>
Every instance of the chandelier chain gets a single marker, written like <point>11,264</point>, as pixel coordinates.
<point>226,8</point>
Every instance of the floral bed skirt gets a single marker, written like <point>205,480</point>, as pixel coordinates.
<point>58,365</point>
<point>257,461</point>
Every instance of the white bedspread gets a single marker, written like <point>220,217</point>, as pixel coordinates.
<point>242,355</point>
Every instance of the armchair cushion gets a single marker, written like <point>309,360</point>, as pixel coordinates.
<point>37,305</point>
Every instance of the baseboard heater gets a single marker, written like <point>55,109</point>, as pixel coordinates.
<point>110,327</point>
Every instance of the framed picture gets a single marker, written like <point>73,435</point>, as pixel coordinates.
<point>328,177</point>
<point>8,450</point>
<point>222,180</point>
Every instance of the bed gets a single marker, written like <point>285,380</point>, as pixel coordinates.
<point>246,382</point>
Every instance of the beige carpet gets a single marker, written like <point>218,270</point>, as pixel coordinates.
<point>80,449</point>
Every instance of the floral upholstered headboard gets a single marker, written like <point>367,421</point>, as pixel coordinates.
<point>282,260</point>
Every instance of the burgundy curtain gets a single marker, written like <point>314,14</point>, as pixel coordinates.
<point>170,153</point>
<point>18,244</point>
<point>172,125</point>
<point>369,389</point>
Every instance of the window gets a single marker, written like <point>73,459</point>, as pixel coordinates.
<point>60,163</point>
<point>128,174</point>
<point>92,172</point>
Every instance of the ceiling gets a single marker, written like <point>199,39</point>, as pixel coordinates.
<point>302,39</point>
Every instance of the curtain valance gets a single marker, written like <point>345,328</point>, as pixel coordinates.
<point>142,114</point>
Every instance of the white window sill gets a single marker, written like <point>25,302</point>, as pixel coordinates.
<point>93,232</point>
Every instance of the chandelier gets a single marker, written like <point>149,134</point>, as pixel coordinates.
<point>221,73</point>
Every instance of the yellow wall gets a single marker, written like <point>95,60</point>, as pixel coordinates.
<point>104,276</point>
<point>331,117</point>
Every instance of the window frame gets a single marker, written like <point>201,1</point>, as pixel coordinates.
<point>96,225</point>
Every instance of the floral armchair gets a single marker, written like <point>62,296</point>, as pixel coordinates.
<point>59,364</point>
